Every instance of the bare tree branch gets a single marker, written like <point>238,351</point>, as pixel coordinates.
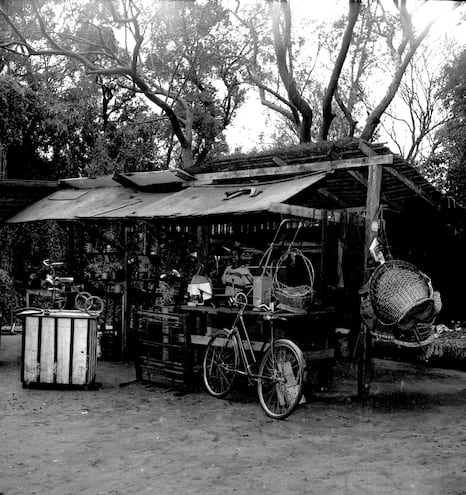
<point>373,119</point>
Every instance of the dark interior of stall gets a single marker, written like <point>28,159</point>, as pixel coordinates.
<point>436,247</point>
<point>142,268</point>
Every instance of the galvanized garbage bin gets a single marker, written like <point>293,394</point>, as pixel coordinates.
<point>59,348</point>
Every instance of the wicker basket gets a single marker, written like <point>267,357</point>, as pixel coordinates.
<point>420,334</point>
<point>401,295</point>
<point>296,299</point>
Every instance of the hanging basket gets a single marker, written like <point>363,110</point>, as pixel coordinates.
<point>401,295</point>
<point>294,298</point>
<point>420,334</point>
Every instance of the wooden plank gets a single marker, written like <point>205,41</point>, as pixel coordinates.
<point>165,337</point>
<point>325,166</point>
<point>79,357</point>
<point>407,182</point>
<point>320,275</point>
<point>31,347</point>
<point>297,211</point>
<point>92,358</point>
<point>360,178</point>
<point>374,184</point>
<point>47,350</point>
<point>63,350</point>
<point>319,354</point>
<point>257,346</point>
<point>204,340</point>
<point>372,225</point>
<point>332,197</point>
<point>29,183</point>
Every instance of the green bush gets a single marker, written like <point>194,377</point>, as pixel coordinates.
<point>8,299</point>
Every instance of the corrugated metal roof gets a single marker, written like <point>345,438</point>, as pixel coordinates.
<point>155,181</point>
<point>71,204</point>
<point>15,195</point>
<point>197,201</point>
<point>121,202</point>
<point>89,182</point>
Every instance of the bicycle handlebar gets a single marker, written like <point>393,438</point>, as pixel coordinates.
<point>240,298</point>
<point>49,263</point>
<point>267,308</point>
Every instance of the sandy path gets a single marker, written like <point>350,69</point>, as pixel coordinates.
<point>410,439</point>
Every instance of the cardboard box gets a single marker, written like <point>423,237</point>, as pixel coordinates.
<point>262,290</point>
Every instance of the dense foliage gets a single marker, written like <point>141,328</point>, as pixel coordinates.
<point>446,166</point>
<point>137,85</point>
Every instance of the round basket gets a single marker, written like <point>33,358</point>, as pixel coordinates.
<point>294,298</point>
<point>400,294</point>
<point>420,334</point>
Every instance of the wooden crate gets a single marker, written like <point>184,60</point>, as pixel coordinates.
<point>163,348</point>
<point>59,349</point>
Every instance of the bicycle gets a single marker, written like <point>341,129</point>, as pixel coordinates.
<point>281,373</point>
<point>60,286</point>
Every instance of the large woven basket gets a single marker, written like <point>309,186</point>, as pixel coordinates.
<point>401,295</point>
<point>296,299</point>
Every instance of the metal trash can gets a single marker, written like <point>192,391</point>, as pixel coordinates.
<point>59,348</point>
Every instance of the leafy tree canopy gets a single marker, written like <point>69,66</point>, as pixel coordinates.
<point>179,55</point>
<point>138,84</point>
<point>446,166</point>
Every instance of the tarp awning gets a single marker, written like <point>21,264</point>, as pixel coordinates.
<point>121,202</point>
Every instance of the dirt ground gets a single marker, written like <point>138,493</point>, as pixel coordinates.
<point>409,439</point>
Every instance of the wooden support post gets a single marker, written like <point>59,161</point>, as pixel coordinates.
<point>374,184</point>
<point>126,296</point>
<point>323,244</point>
<point>202,243</point>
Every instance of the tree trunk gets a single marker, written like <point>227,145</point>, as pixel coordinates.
<point>281,42</point>
<point>187,156</point>
<point>327,114</point>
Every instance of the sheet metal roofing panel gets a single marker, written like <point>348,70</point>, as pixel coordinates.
<point>69,204</point>
<point>145,180</point>
<point>89,182</point>
<point>209,200</point>
<point>15,195</point>
<point>121,202</point>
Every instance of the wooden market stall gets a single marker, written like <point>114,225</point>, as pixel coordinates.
<point>134,227</point>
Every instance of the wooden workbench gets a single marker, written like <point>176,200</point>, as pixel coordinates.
<point>172,345</point>
<point>313,332</point>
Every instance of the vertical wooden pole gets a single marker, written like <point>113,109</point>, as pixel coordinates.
<point>374,184</point>
<point>323,248</point>
<point>126,296</point>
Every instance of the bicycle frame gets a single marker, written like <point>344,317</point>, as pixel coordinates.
<point>280,372</point>
<point>239,330</point>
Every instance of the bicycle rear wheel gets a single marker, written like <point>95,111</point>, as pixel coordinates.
<point>220,363</point>
<point>281,379</point>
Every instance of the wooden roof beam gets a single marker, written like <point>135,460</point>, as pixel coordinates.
<point>407,182</point>
<point>360,178</point>
<point>304,212</point>
<point>332,196</point>
<point>297,169</point>
<point>297,211</point>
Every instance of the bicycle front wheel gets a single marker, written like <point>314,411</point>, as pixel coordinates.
<point>281,379</point>
<point>220,363</point>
